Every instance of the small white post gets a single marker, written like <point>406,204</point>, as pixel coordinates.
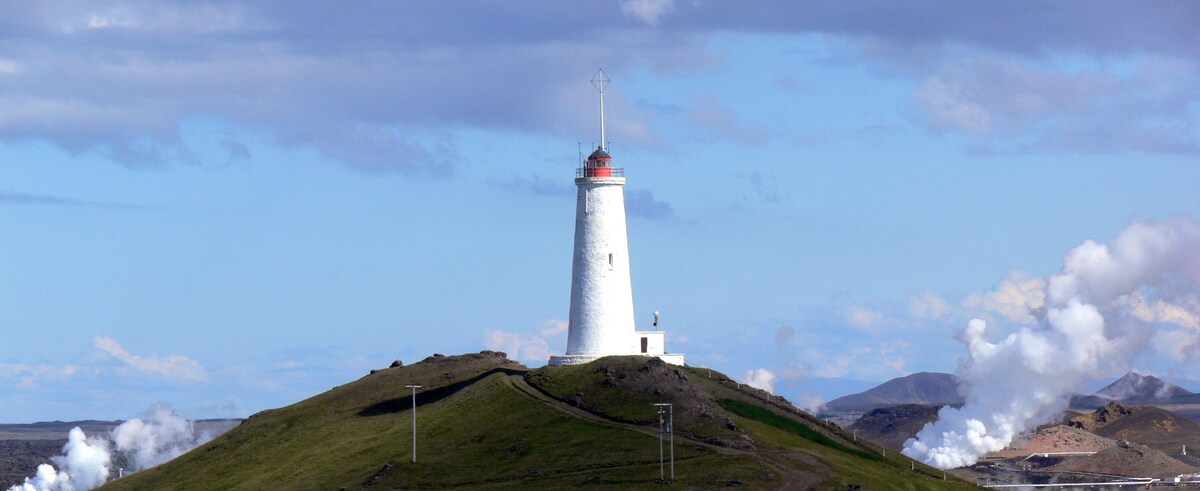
<point>414,388</point>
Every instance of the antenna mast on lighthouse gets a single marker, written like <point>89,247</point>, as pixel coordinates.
<point>601,81</point>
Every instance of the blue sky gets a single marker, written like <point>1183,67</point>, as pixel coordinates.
<point>232,206</point>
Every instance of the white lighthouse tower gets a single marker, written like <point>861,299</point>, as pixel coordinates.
<point>601,318</point>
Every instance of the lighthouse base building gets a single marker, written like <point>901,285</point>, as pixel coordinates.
<point>652,342</point>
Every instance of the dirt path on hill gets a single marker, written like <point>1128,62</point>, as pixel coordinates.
<point>794,479</point>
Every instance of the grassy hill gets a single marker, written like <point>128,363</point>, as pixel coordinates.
<point>484,421</point>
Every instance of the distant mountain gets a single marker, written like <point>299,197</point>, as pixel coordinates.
<point>1135,388</point>
<point>929,388</point>
<point>53,430</point>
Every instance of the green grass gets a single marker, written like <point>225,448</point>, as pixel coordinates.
<point>614,402</point>
<point>485,434</point>
<point>764,415</point>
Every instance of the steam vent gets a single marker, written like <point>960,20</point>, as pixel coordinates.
<point>601,319</point>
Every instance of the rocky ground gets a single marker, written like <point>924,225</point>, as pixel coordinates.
<point>1056,439</point>
<point>1132,459</point>
<point>19,458</point>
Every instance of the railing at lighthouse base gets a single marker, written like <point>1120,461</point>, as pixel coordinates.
<point>600,172</point>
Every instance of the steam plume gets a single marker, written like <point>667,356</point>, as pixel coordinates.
<point>760,378</point>
<point>87,462</point>
<point>82,466</point>
<point>162,436</point>
<point>1093,322</point>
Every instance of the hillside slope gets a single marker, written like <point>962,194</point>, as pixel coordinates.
<point>487,422</point>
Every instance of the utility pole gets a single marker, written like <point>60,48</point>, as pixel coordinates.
<point>414,388</point>
<point>670,429</point>
<point>660,450</point>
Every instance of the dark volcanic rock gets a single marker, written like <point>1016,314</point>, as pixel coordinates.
<point>19,458</point>
<point>892,426</point>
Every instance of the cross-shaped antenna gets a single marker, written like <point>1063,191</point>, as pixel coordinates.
<point>601,81</point>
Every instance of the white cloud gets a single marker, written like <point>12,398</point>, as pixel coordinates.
<point>100,21</point>
<point>554,327</point>
<point>1017,297</point>
<point>760,378</point>
<point>720,122</point>
<point>882,361</point>
<point>928,305</point>
<point>31,376</point>
<point>1177,346</point>
<point>508,342</point>
<point>862,317</point>
<point>176,367</point>
<point>649,11</point>
<point>836,367</point>
<point>531,347</point>
<point>1160,311</point>
<point>9,67</point>
<point>947,107</point>
<point>1025,106</point>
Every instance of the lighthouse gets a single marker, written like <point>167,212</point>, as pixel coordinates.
<point>601,318</point>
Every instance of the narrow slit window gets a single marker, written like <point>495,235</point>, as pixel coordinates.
<point>610,260</point>
<point>645,344</point>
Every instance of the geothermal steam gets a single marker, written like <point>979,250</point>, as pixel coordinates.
<point>1110,303</point>
<point>87,462</point>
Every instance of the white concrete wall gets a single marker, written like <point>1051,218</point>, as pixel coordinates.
<point>601,318</point>
<point>655,342</point>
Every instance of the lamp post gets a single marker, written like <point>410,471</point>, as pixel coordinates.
<point>671,430</point>
<point>414,388</point>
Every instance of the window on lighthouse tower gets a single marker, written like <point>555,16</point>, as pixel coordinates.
<point>610,261</point>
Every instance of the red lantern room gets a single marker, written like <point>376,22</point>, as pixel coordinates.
<point>599,164</point>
